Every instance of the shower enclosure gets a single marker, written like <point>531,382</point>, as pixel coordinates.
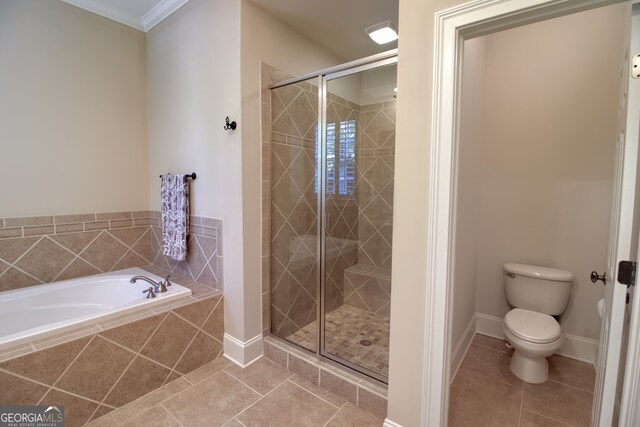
<point>331,208</point>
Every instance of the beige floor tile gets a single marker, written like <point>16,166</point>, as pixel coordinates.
<point>103,421</point>
<point>150,400</point>
<point>352,416</point>
<point>490,363</point>
<point>211,402</point>
<point>154,417</point>
<point>323,394</point>
<point>478,401</point>
<point>572,372</point>
<point>262,375</point>
<point>205,371</point>
<point>288,405</point>
<point>560,402</point>
<point>492,343</point>
<point>530,419</point>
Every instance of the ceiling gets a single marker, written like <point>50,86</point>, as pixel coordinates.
<point>337,25</point>
<point>139,14</point>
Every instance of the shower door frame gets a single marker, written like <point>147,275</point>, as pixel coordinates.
<point>322,205</point>
<point>361,65</point>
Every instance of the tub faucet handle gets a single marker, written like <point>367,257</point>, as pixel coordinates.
<point>149,292</point>
<point>167,283</point>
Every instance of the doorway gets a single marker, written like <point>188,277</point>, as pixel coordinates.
<point>452,28</point>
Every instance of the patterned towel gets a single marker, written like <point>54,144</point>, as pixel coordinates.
<point>175,215</point>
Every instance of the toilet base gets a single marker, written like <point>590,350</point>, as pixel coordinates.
<point>534,370</point>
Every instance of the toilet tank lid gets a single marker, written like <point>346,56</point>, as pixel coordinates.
<point>538,272</point>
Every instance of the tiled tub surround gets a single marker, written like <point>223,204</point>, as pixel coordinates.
<point>42,311</point>
<point>94,371</point>
<point>204,252</point>
<point>45,249</point>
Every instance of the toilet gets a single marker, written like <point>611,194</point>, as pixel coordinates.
<point>536,294</point>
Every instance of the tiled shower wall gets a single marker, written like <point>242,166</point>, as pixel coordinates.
<point>359,224</point>
<point>45,249</point>
<point>375,167</point>
<point>293,207</point>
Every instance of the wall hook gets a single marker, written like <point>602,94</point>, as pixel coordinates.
<point>229,125</point>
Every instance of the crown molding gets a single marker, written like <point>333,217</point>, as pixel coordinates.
<point>113,13</point>
<point>160,12</point>
<point>145,23</point>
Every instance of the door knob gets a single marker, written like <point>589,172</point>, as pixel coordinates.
<point>595,277</point>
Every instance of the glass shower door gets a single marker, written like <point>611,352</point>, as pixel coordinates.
<point>358,124</point>
<point>293,210</point>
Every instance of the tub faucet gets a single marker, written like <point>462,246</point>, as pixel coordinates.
<point>158,287</point>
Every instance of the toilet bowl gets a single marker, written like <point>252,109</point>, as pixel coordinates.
<point>534,337</point>
<point>537,294</point>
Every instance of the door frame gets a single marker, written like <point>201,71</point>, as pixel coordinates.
<point>452,27</point>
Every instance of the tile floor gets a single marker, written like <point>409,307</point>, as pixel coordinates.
<point>486,393</point>
<point>345,328</point>
<point>222,394</point>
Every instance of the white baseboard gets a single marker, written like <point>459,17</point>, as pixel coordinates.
<point>573,347</point>
<point>462,347</point>
<point>242,353</point>
<point>389,423</point>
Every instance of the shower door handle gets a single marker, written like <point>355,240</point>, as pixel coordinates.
<point>327,220</point>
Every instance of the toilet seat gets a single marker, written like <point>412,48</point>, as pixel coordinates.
<point>532,326</point>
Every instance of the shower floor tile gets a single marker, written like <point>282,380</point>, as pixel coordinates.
<point>345,329</point>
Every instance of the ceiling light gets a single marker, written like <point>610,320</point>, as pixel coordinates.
<point>383,32</point>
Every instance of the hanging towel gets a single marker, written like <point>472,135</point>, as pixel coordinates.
<point>175,215</point>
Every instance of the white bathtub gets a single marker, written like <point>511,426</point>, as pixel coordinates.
<point>40,311</point>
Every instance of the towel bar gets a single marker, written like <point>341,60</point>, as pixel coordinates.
<point>188,175</point>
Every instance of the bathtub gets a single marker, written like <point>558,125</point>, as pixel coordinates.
<point>37,312</point>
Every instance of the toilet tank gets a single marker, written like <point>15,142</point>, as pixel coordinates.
<point>542,289</point>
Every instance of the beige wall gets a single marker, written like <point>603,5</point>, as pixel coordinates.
<point>468,189</point>
<point>264,39</point>
<point>194,83</point>
<point>72,112</point>
<point>411,208</point>
<point>548,155</point>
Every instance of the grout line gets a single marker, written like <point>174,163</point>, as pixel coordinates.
<point>52,388</point>
<point>310,392</point>
<point>238,421</point>
<point>170,414</point>
<point>521,405</point>
<point>43,396</point>
<point>335,415</point>
<point>136,354</point>
<point>247,385</point>
<point>571,386</point>
<point>74,360</point>
<point>260,399</point>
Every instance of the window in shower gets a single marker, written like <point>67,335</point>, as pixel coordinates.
<point>341,160</point>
